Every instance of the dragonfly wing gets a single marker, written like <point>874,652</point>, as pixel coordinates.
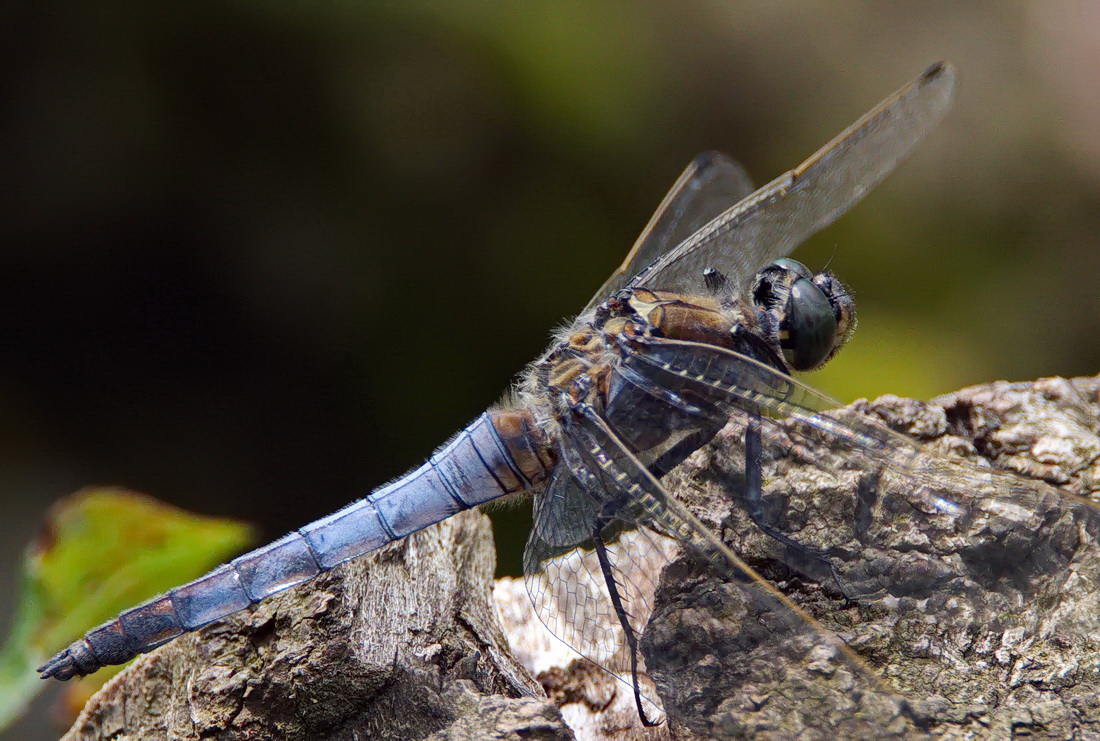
<point>568,587</point>
<point>775,219</point>
<point>774,650</point>
<point>934,538</point>
<point>704,190</point>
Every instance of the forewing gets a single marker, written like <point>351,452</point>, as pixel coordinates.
<point>775,219</point>
<point>707,187</point>
<point>891,518</point>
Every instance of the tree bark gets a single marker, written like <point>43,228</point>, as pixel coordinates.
<point>403,643</point>
<point>980,620</point>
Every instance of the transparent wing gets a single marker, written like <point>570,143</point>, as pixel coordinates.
<point>775,219</point>
<point>776,650</point>
<point>704,190</point>
<point>568,586</point>
<point>931,563</point>
<point>919,554</point>
<point>890,518</point>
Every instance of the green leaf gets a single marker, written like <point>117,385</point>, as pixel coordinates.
<point>100,552</point>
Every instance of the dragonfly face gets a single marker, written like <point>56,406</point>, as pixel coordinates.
<point>702,325</point>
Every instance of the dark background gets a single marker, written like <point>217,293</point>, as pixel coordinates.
<point>256,258</point>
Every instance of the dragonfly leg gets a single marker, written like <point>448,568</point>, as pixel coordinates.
<point>754,502</point>
<point>620,612</point>
<point>644,501</point>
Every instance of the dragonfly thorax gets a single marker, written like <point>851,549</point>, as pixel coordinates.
<point>789,319</point>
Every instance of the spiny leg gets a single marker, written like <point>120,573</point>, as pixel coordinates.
<point>620,611</point>
<point>651,505</point>
<point>754,502</point>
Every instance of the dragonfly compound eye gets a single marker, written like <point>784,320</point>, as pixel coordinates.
<point>811,326</point>
<point>788,265</point>
<point>803,312</point>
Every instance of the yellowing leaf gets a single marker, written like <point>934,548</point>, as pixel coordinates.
<point>100,552</point>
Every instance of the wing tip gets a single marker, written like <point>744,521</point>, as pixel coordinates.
<point>934,70</point>
<point>941,71</point>
<point>707,159</point>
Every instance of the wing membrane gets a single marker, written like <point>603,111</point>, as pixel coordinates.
<point>775,219</point>
<point>933,527</point>
<point>924,550</point>
<point>704,190</point>
<point>780,649</point>
<point>569,589</point>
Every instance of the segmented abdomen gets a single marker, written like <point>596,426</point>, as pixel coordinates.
<point>496,455</point>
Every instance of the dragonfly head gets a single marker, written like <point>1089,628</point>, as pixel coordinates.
<point>813,314</point>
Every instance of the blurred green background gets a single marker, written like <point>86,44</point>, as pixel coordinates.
<point>257,258</point>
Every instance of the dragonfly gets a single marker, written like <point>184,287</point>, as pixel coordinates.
<point>700,328</point>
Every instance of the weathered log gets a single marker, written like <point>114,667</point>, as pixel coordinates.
<point>400,644</point>
<point>983,625</point>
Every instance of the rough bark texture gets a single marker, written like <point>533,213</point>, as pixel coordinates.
<point>979,625</point>
<point>400,644</point>
<point>983,625</point>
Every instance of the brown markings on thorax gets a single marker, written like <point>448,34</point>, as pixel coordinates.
<point>680,317</point>
<point>672,315</point>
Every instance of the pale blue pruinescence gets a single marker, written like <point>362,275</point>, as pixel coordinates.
<point>474,467</point>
